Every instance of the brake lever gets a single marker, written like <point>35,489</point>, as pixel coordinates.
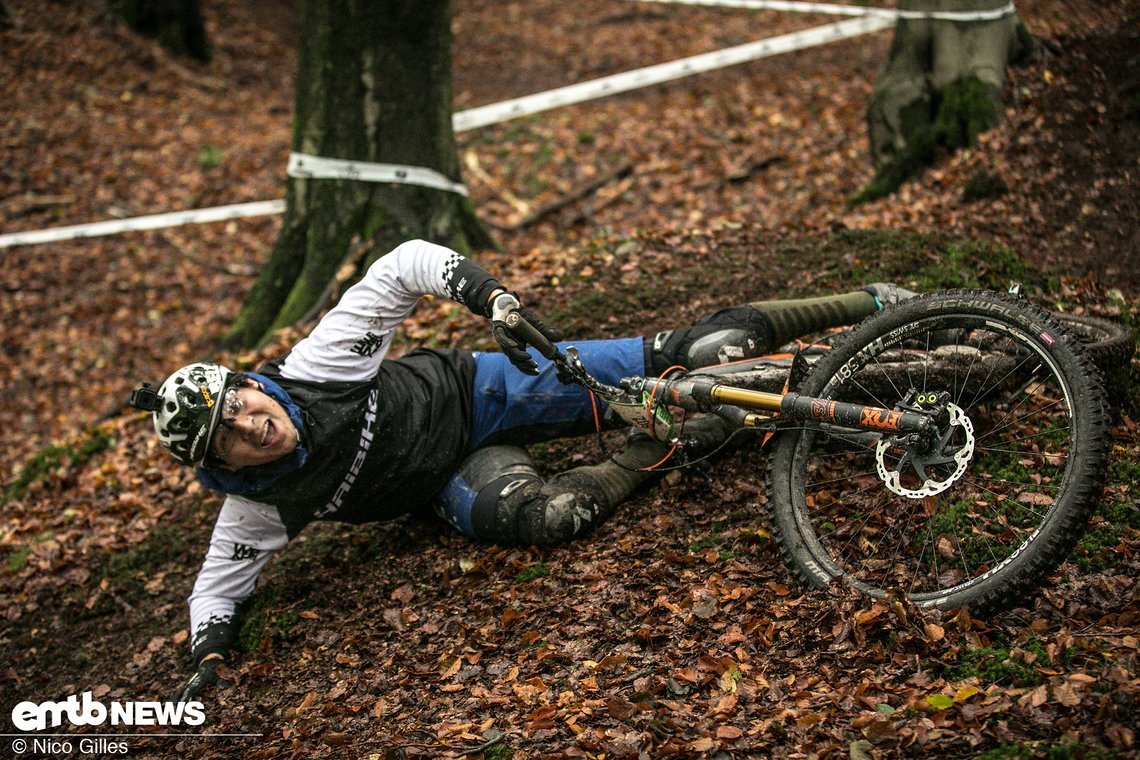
<point>571,364</point>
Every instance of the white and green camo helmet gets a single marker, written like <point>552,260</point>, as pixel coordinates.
<point>186,409</point>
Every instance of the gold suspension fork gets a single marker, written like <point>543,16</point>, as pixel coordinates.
<point>748,399</point>
<point>702,394</point>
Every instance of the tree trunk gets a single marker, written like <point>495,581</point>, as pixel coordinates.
<point>940,87</point>
<point>176,24</point>
<point>374,85</point>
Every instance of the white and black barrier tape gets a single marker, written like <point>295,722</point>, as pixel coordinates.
<point>834,9</point>
<point>302,165</point>
<point>318,167</point>
<point>151,222</point>
<point>665,72</point>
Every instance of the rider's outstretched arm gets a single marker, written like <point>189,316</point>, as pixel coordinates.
<point>349,343</point>
<point>245,536</point>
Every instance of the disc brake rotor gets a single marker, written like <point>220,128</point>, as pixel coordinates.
<point>935,469</point>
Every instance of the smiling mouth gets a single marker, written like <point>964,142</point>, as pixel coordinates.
<point>269,435</point>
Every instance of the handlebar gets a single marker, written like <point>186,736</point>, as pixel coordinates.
<point>526,331</point>
<point>568,364</point>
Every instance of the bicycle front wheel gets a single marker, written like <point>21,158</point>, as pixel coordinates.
<point>988,510</point>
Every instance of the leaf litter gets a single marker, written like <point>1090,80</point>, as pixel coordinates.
<point>674,631</point>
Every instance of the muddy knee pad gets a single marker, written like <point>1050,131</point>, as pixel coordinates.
<point>468,499</point>
<point>498,496</point>
<point>533,513</point>
<point>494,463</point>
<point>728,335</point>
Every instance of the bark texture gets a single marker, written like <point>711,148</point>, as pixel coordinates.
<point>940,87</point>
<point>373,84</point>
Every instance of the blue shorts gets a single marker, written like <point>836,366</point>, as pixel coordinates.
<point>510,407</point>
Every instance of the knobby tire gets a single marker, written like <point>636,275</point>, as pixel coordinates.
<point>1109,344</point>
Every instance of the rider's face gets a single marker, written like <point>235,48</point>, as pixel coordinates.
<point>254,429</point>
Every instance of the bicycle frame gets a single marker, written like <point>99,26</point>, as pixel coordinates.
<point>989,439</point>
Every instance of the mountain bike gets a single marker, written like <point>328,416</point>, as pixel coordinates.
<point>949,449</point>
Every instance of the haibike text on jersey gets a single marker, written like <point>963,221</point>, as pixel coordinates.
<point>357,462</point>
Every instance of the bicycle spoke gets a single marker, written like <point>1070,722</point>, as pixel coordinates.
<point>902,541</point>
<point>1015,439</point>
<point>966,380</point>
<point>858,533</point>
<point>894,388</point>
<point>1016,420</point>
<point>866,474</point>
<point>977,400</point>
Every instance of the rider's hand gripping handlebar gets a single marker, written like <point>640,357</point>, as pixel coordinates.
<point>514,327</point>
<point>524,330</point>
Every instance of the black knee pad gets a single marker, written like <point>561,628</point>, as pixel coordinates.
<point>528,512</point>
<point>493,463</point>
<point>728,335</point>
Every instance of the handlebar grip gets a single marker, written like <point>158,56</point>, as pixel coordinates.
<point>526,331</point>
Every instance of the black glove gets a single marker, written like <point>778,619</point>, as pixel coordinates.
<point>206,675</point>
<point>513,346</point>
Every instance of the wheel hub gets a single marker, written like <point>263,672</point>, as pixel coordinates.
<point>920,470</point>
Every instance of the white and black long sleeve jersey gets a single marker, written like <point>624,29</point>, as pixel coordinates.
<point>382,436</point>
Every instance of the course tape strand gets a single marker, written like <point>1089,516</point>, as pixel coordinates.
<point>305,165</point>
<point>151,222</point>
<point>665,72</point>
<point>834,9</point>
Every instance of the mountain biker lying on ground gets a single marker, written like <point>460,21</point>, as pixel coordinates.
<point>330,431</point>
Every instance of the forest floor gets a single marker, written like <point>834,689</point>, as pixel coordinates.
<point>674,630</point>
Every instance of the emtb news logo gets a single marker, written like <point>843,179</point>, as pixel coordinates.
<point>82,710</point>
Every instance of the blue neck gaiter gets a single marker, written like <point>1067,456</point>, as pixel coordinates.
<point>249,480</point>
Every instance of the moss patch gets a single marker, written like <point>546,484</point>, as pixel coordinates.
<point>57,459</point>
<point>953,119</point>
<point>998,665</point>
<point>917,261</point>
